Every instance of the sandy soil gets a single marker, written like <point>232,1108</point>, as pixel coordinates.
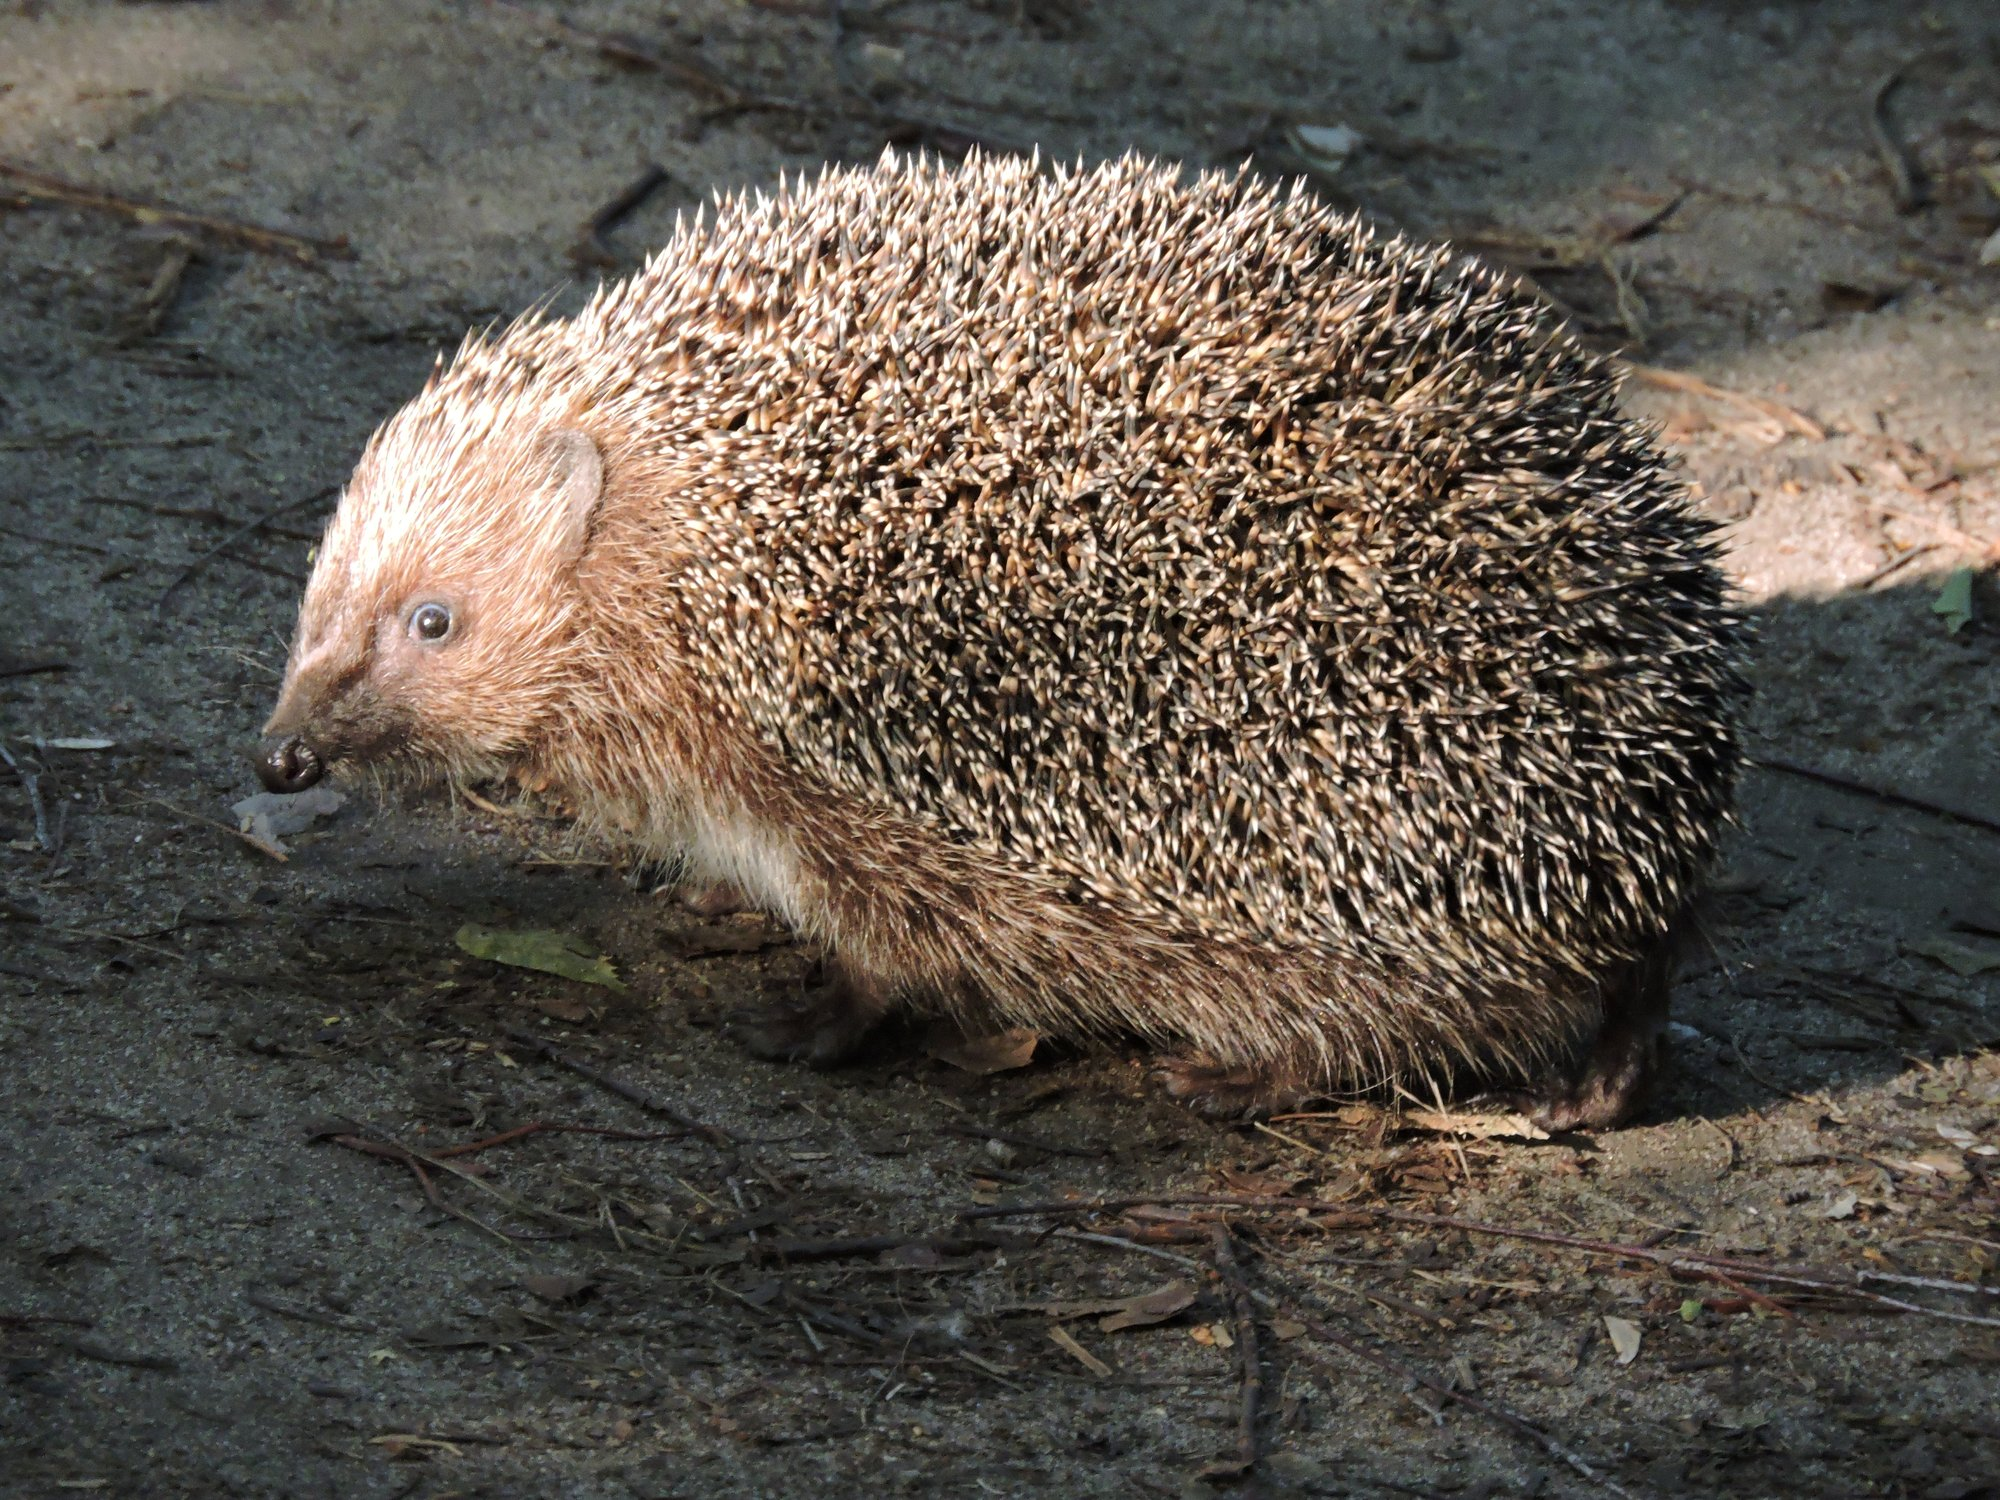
<point>204,1292</point>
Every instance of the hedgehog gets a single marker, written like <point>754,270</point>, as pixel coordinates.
<point>1102,600</point>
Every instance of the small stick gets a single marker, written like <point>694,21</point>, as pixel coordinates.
<point>270,850</point>
<point>1893,566</point>
<point>1905,181</point>
<point>636,54</point>
<point>43,539</point>
<point>256,1296</point>
<point>653,1105</point>
<point>41,440</point>
<point>254,524</point>
<point>545,1127</point>
<point>1880,793</point>
<point>1980,547</point>
<point>390,1151</point>
<point>1789,418</point>
<point>1511,1420</point>
<point>590,248</point>
<point>1689,1263</point>
<point>1224,1256</point>
<point>1067,1341</point>
<point>31,783</point>
<point>159,297</point>
<point>32,666</point>
<point>301,248</point>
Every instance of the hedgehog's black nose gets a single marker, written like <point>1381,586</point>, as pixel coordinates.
<point>286,763</point>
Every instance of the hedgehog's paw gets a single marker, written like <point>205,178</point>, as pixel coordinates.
<point>1602,1089</point>
<point>715,899</point>
<point>822,1027</point>
<point>1247,1091</point>
<point>1606,1091</point>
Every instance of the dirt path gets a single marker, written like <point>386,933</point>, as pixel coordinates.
<point>210,1286</point>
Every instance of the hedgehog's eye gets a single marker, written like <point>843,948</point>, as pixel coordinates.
<point>430,623</point>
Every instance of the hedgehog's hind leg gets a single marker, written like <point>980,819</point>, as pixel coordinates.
<point>822,1026</point>
<point>1609,1082</point>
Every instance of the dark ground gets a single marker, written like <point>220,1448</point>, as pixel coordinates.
<point>203,1292</point>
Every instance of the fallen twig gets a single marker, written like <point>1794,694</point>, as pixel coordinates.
<point>1892,567</point>
<point>31,666</point>
<point>1879,793</point>
<point>146,318</point>
<point>843,1247</point>
<point>1223,1254</point>
<point>1689,1263</point>
<point>1987,551</point>
<point>254,524</point>
<point>1790,419</point>
<point>1513,1421</point>
<point>301,248</point>
<point>1906,182</point>
<point>632,1093</point>
<point>633,53</point>
<point>546,1127</point>
<point>256,1296</point>
<point>262,846</point>
<point>31,783</point>
<point>591,248</point>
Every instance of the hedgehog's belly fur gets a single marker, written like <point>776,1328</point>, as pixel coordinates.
<point>911,920</point>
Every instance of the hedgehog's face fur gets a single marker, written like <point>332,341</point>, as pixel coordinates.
<point>430,639</point>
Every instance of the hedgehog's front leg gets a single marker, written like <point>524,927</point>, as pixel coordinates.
<point>822,1026</point>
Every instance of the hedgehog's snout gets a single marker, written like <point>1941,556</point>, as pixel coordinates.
<point>289,763</point>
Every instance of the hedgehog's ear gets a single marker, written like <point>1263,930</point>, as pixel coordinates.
<point>576,476</point>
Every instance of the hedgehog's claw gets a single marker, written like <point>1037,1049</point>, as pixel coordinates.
<point>821,1027</point>
<point>1245,1092</point>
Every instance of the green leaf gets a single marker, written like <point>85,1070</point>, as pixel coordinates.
<point>539,948</point>
<point>1953,604</point>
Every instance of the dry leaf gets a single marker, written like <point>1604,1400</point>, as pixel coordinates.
<point>1149,1308</point>
<point>562,1007</point>
<point>1624,1338</point>
<point>557,1288</point>
<point>270,817</point>
<point>996,1052</point>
